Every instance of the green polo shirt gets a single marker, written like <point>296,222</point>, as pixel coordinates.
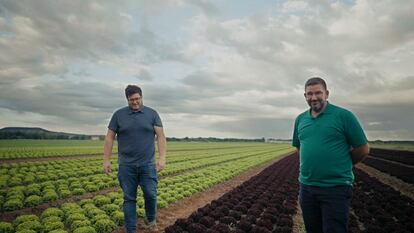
<point>324,145</point>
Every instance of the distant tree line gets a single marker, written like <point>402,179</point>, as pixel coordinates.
<point>42,135</point>
<point>39,133</point>
<point>213,139</point>
<point>46,135</point>
<point>392,142</point>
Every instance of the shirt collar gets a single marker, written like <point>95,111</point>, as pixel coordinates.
<point>327,110</point>
<point>140,110</point>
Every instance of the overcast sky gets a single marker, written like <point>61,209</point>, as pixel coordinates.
<point>210,68</point>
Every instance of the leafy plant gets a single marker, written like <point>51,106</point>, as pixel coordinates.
<point>25,218</point>
<point>33,200</point>
<point>50,226</point>
<point>30,225</point>
<point>26,231</point>
<point>87,229</point>
<point>75,217</point>
<point>50,196</point>
<point>6,227</point>
<point>78,191</point>
<point>101,200</point>
<point>100,217</point>
<point>13,204</point>
<point>83,202</point>
<point>51,219</point>
<point>49,212</point>
<point>80,223</point>
<point>118,217</point>
<point>110,208</point>
<point>162,204</point>
<point>58,231</point>
<point>92,212</point>
<point>104,226</point>
<point>91,188</point>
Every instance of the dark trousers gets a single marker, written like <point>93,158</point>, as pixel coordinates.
<point>325,209</point>
<point>130,176</point>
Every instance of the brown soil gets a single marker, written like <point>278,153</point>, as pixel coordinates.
<point>389,161</point>
<point>361,226</point>
<point>298,225</point>
<point>397,184</point>
<point>183,208</point>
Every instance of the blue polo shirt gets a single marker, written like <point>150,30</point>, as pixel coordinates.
<point>135,135</point>
<point>324,144</point>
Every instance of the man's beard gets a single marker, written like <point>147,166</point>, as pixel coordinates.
<point>318,107</point>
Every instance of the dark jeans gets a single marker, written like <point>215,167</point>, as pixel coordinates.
<point>130,176</point>
<point>325,209</point>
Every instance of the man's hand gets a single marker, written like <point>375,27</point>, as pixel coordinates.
<point>160,164</point>
<point>359,153</point>
<point>162,147</point>
<point>107,167</point>
<point>109,141</point>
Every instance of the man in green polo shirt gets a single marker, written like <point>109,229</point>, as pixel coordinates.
<point>329,140</point>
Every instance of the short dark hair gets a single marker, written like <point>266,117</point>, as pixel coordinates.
<point>132,89</point>
<point>316,81</point>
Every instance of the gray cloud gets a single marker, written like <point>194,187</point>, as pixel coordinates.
<point>206,7</point>
<point>42,36</point>
<point>258,127</point>
<point>145,76</point>
<point>153,48</point>
<point>84,103</point>
<point>386,120</point>
<point>239,76</point>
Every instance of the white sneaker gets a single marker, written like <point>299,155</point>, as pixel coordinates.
<point>152,226</point>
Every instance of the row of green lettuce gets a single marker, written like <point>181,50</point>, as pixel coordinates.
<point>21,149</point>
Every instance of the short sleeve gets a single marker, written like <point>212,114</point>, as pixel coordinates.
<point>295,138</point>
<point>113,124</point>
<point>157,120</point>
<point>353,131</point>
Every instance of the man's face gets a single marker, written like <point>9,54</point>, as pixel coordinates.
<point>135,101</point>
<point>316,96</point>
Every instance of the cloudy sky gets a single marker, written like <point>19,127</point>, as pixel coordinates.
<point>210,68</point>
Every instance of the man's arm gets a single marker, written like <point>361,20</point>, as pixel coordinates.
<point>162,147</point>
<point>109,142</point>
<point>359,153</point>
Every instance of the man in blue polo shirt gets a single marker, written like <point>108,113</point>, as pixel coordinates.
<point>329,140</point>
<point>136,127</point>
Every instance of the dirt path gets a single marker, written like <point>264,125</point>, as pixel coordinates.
<point>183,208</point>
<point>397,184</point>
<point>298,225</point>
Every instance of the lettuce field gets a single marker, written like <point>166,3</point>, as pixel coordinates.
<point>58,186</point>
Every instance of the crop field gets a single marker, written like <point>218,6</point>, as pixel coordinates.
<point>400,146</point>
<point>58,186</point>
